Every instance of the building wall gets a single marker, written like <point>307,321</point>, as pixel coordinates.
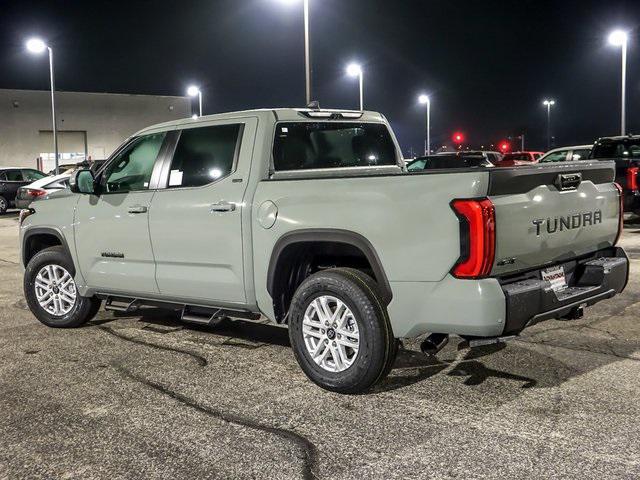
<point>108,119</point>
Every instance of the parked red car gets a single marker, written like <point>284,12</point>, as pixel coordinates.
<point>519,158</point>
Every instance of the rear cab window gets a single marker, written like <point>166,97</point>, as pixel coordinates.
<point>325,145</point>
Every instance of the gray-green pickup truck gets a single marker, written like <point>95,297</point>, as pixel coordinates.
<point>309,217</point>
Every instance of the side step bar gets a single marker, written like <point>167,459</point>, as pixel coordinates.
<point>117,304</point>
<point>189,313</point>
<point>484,341</point>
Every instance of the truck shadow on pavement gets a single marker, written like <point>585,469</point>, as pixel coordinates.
<point>411,366</point>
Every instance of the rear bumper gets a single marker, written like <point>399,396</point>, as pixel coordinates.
<point>22,203</point>
<point>530,300</point>
<point>632,201</point>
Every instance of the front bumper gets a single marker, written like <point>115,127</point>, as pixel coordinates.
<point>530,300</point>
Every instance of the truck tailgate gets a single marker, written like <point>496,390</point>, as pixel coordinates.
<point>547,214</point>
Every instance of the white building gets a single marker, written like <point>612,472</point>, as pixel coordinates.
<point>90,125</point>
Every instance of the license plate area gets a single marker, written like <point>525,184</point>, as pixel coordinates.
<point>556,277</point>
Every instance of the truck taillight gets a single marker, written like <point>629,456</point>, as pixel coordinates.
<point>632,178</point>
<point>478,237</point>
<point>621,217</point>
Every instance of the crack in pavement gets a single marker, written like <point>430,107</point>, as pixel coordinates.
<point>9,261</point>
<point>611,353</point>
<point>200,360</point>
<point>309,450</point>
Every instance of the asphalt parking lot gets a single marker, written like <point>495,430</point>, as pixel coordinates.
<point>144,396</point>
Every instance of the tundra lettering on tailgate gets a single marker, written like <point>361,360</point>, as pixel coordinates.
<point>569,222</point>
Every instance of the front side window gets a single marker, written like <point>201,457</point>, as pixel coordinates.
<point>131,169</point>
<point>555,157</point>
<point>203,155</point>
<point>307,145</point>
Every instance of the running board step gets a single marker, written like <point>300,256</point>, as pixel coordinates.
<point>116,304</point>
<point>203,317</point>
<point>484,341</point>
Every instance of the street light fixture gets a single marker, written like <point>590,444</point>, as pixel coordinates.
<point>307,49</point>
<point>355,70</point>
<point>194,91</point>
<point>37,46</point>
<point>619,38</point>
<point>549,104</point>
<point>425,100</point>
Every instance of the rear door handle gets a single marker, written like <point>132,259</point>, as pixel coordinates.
<point>223,207</point>
<point>138,209</point>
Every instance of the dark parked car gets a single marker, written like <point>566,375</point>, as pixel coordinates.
<point>625,151</point>
<point>11,179</point>
<point>448,160</point>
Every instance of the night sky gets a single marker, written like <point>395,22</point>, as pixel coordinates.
<point>487,64</point>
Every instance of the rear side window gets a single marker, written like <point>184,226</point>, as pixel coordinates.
<point>12,176</point>
<point>204,155</point>
<point>308,145</point>
<point>580,154</point>
<point>32,175</point>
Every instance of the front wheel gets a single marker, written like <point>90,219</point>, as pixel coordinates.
<point>51,292</point>
<point>340,331</point>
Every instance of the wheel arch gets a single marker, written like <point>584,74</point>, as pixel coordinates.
<point>278,271</point>
<point>37,239</point>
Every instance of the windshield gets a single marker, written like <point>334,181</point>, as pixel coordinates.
<point>627,148</point>
<point>308,145</point>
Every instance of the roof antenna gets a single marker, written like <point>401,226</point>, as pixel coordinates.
<point>314,105</point>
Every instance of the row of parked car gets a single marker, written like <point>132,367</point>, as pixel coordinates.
<point>624,150</point>
<point>21,186</point>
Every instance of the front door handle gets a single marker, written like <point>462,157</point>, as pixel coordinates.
<point>223,207</point>
<point>138,209</point>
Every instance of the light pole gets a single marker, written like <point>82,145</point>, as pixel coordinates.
<point>619,38</point>
<point>307,49</point>
<point>425,100</point>
<point>355,70</point>
<point>194,91</point>
<point>37,46</point>
<point>549,104</point>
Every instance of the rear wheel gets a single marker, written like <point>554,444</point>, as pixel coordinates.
<point>340,331</point>
<point>51,293</point>
<point>4,205</point>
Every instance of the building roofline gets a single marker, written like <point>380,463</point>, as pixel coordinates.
<point>94,93</point>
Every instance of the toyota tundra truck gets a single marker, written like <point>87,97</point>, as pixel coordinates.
<point>308,217</point>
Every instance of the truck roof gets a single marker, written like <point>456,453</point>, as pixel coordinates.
<point>277,114</point>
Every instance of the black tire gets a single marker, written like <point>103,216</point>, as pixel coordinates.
<point>377,345</point>
<point>84,309</point>
<point>4,205</point>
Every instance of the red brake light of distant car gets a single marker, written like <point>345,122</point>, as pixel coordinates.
<point>36,192</point>
<point>621,218</point>
<point>632,178</point>
<point>478,237</point>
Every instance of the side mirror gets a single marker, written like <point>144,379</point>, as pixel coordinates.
<point>83,181</point>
